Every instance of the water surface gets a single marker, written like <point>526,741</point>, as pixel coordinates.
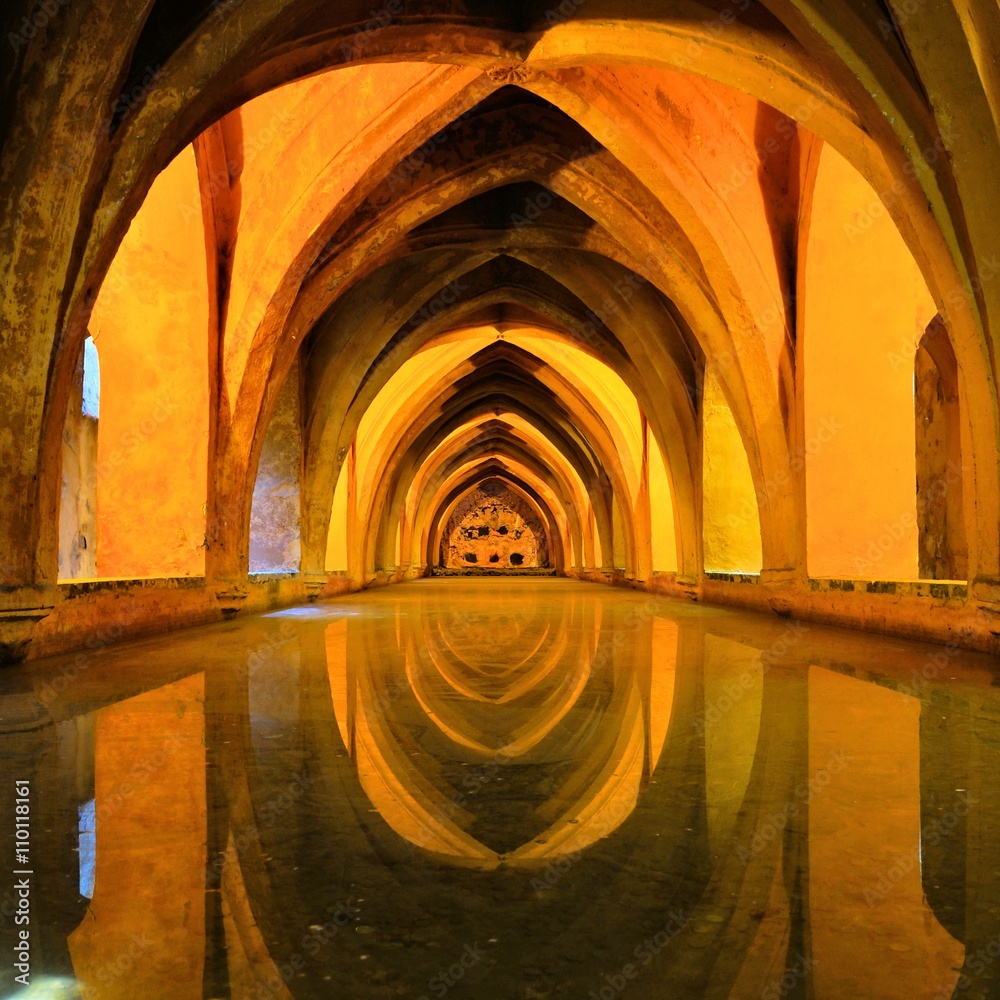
<point>518,790</point>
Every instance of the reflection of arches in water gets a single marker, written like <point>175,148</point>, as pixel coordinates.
<point>431,814</point>
<point>595,698</point>
<point>472,648</point>
<point>744,907</point>
<point>476,680</point>
<point>400,885</point>
<point>434,684</point>
<point>149,790</point>
<point>804,716</point>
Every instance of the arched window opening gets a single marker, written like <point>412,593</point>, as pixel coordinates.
<point>943,546</point>
<point>91,402</point>
<point>87,847</point>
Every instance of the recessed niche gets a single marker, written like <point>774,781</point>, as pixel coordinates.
<point>492,521</point>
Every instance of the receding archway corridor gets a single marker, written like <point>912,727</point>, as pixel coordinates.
<point>512,789</point>
<point>500,498</point>
<point>703,290</point>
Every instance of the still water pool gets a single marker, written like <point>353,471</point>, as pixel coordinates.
<point>503,790</point>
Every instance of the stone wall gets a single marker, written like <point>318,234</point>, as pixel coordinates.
<point>494,528</point>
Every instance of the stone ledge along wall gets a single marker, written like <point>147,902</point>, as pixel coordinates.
<point>494,528</point>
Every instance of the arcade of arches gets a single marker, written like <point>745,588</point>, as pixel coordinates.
<point>693,297</point>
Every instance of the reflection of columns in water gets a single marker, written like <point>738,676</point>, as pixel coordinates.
<point>37,750</point>
<point>982,920</point>
<point>946,740</point>
<point>745,921</point>
<point>960,750</point>
<point>217,724</point>
<point>870,918</point>
<point>766,947</point>
<point>254,704</point>
<point>145,924</point>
